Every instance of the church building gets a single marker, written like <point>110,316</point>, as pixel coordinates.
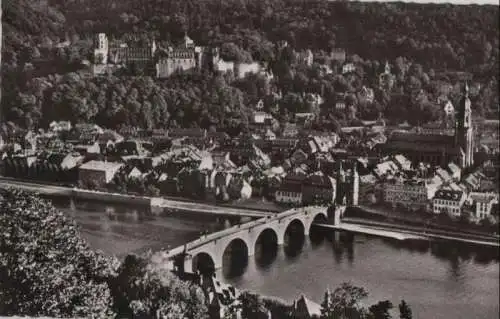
<point>439,147</point>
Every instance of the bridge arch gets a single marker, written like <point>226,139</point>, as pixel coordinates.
<point>203,261</point>
<point>295,225</point>
<point>268,238</point>
<point>235,256</point>
<point>319,217</point>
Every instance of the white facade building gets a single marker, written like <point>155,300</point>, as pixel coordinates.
<point>449,201</point>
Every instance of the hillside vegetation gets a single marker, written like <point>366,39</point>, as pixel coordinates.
<point>429,47</point>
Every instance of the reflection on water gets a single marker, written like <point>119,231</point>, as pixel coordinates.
<point>122,229</point>
<point>439,279</point>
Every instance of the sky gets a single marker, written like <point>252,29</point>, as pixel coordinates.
<point>443,1</point>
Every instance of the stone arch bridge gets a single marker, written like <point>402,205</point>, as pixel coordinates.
<point>214,245</point>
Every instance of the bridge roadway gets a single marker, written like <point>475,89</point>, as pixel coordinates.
<point>214,245</point>
<point>154,202</point>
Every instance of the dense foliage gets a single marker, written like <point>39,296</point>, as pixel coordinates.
<point>47,269</point>
<point>425,44</point>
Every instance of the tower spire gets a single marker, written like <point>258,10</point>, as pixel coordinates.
<point>466,89</point>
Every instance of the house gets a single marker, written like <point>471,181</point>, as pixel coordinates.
<point>193,133</point>
<point>290,190</point>
<point>386,79</point>
<point>19,165</point>
<point>402,162</point>
<point>455,171</point>
<point>304,308</point>
<point>340,105</point>
<point>482,204</point>
<point>239,188</point>
<point>448,201</point>
<point>319,188</point>
<point>97,173</point>
<point>269,135</point>
<point>338,55</point>
<point>305,57</point>
<point>260,117</point>
<point>385,169</point>
<point>290,130</point>
<point>348,68</point>
<point>366,94</point>
<point>443,174</point>
<point>87,148</point>
<point>109,137</point>
<point>303,118</point>
<point>448,114</point>
<point>298,157</point>
<point>61,126</point>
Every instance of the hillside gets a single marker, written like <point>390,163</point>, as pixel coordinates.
<point>428,45</point>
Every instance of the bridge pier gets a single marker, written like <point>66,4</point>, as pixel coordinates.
<point>188,264</point>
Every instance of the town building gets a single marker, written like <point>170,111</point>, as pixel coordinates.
<point>449,202</point>
<point>439,148</point>
<point>319,188</point>
<point>305,57</point>
<point>410,193</point>
<point>338,55</point>
<point>482,204</point>
<point>290,190</point>
<point>97,173</point>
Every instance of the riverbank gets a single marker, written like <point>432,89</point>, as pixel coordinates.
<point>378,214</point>
<point>157,204</point>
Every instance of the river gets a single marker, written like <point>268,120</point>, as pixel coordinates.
<point>439,281</point>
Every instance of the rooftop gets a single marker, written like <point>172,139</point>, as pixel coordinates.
<point>101,166</point>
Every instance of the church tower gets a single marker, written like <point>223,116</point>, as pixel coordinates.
<point>464,137</point>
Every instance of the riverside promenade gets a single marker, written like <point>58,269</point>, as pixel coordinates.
<point>388,230</point>
<point>156,203</point>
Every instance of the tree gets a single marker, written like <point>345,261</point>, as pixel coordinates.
<point>404,310</point>
<point>45,266</point>
<point>380,310</point>
<point>343,302</point>
<point>142,290</point>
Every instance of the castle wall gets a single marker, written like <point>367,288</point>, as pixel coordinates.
<point>242,69</point>
<point>166,67</point>
<point>223,66</point>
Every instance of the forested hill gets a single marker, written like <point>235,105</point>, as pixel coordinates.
<point>435,35</point>
<point>424,43</point>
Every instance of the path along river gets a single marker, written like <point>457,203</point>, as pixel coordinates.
<point>440,281</point>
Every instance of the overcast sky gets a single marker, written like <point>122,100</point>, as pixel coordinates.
<point>443,1</point>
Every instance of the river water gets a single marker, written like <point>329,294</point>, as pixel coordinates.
<point>438,280</point>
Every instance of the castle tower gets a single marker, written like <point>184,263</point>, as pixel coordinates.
<point>101,49</point>
<point>153,48</point>
<point>464,137</point>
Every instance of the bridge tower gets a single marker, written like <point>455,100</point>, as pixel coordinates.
<point>339,213</point>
